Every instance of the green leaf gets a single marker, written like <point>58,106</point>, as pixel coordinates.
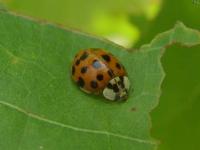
<point>41,108</point>
<point>187,12</point>
<point>175,120</point>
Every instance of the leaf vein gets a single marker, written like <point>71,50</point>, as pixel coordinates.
<point>28,61</point>
<point>46,120</point>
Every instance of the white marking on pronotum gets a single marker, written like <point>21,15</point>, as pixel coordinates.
<point>106,133</point>
<point>109,94</point>
<point>123,91</point>
<point>126,82</point>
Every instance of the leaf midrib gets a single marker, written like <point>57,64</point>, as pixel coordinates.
<point>75,128</point>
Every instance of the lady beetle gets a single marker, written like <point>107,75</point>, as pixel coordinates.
<point>99,72</point>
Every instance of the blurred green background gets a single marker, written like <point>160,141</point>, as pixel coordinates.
<point>131,23</point>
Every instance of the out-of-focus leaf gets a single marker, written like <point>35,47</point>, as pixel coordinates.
<point>175,119</point>
<point>76,13</point>
<point>109,19</point>
<point>171,11</point>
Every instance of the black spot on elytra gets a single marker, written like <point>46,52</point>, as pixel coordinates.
<point>96,64</point>
<point>84,69</point>
<point>73,70</point>
<point>118,65</point>
<point>106,57</point>
<point>84,56</point>
<point>94,84</point>
<point>77,62</point>
<point>110,73</point>
<point>115,88</point>
<point>99,77</point>
<point>80,82</point>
